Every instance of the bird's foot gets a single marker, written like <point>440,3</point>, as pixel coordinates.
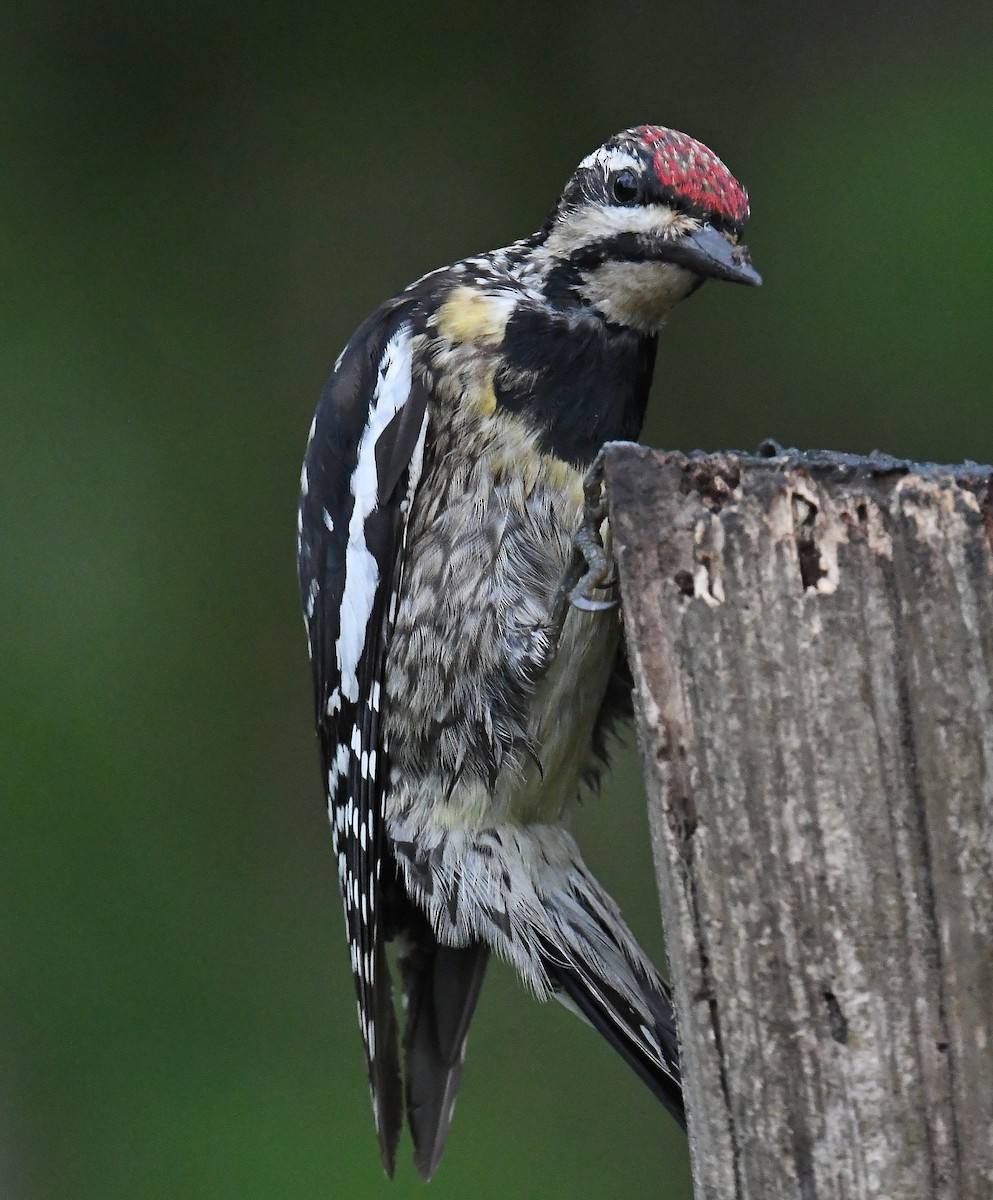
<point>589,550</point>
<point>590,568</point>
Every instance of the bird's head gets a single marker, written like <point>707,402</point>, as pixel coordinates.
<point>643,222</point>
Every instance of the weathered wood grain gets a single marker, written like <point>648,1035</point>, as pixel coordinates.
<point>812,644</point>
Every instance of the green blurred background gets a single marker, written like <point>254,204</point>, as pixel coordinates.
<point>198,203</point>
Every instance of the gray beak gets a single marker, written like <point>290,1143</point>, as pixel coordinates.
<point>710,255</point>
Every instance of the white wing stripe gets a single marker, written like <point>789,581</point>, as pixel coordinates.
<point>361,569</point>
<point>416,462</point>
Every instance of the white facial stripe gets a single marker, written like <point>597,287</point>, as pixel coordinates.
<point>593,223</point>
<point>361,569</point>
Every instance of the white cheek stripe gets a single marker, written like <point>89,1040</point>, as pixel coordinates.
<point>361,569</point>
<point>595,222</point>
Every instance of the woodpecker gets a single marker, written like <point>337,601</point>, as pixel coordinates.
<point>457,717</point>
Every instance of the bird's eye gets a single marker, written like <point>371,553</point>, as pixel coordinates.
<point>624,187</point>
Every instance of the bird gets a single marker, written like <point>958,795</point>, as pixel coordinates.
<point>459,708</point>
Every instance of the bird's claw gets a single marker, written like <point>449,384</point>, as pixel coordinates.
<point>588,604</point>
<point>592,570</point>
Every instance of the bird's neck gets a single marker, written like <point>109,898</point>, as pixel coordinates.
<point>582,380</point>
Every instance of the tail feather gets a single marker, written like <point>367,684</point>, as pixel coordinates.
<point>441,986</point>
<point>525,892</point>
<point>653,1053</point>
<point>384,1068</point>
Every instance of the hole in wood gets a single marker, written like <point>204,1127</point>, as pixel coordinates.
<point>837,1020</point>
<point>808,556</point>
<point>684,581</point>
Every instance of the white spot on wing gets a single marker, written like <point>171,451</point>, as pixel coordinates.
<point>336,773</point>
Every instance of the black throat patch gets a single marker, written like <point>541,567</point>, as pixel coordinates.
<point>582,380</point>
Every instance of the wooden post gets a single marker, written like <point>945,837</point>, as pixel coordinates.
<point>812,644</point>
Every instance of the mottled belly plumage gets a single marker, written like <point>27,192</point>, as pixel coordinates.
<point>489,724</point>
<point>485,723</point>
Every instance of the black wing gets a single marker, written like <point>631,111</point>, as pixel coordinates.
<point>362,464</point>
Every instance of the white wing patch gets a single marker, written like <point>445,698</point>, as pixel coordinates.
<point>361,570</point>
